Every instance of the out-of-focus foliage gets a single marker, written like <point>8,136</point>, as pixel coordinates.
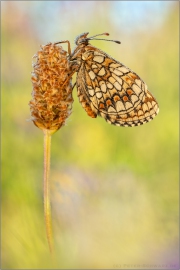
<point>114,190</point>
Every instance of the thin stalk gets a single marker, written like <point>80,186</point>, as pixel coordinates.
<point>47,205</point>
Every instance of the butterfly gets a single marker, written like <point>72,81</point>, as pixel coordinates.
<point>108,88</point>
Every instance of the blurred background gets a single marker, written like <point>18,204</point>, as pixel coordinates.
<point>114,190</point>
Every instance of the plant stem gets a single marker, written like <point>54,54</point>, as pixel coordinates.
<point>47,205</point>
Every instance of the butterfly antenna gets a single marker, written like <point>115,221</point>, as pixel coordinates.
<point>106,34</point>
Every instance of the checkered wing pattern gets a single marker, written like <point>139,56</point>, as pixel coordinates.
<point>108,88</point>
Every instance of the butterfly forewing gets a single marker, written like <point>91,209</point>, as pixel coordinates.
<point>108,88</point>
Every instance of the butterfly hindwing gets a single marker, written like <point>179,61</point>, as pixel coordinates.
<point>113,91</point>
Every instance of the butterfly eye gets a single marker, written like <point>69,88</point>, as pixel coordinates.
<point>81,38</point>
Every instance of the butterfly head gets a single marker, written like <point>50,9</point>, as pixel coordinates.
<point>82,39</point>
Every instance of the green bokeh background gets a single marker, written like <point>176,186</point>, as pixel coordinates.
<point>114,190</point>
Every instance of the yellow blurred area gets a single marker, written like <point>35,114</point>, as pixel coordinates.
<point>114,190</point>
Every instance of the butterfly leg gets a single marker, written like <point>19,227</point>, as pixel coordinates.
<point>74,85</point>
<point>69,46</point>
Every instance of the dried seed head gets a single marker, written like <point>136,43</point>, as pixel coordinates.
<point>52,98</point>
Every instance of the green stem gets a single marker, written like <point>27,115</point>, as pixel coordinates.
<point>47,205</point>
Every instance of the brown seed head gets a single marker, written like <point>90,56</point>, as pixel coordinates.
<point>52,98</point>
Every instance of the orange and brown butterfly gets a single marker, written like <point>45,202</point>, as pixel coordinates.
<point>108,88</point>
